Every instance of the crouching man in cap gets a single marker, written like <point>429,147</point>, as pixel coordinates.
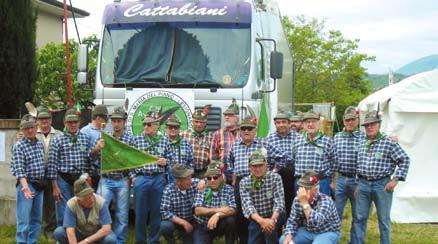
<point>313,218</point>
<point>86,219</point>
<point>215,208</point>
<point>262,201</point>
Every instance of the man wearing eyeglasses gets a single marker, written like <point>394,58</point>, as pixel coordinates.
<point>69,157</point>
<point>215,208</point>
<point>149,180</point>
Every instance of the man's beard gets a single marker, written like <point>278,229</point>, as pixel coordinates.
<point>228,124</point>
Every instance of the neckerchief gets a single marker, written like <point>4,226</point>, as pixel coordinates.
<point>204,132</point>
<point>348,134</point>
<point>371,141</point>
<point>208,197</point>
<point>73,137</point>
<point>257,182</point>
<point>176,142</point>
<point>319,134</point>
<point>153,141</point>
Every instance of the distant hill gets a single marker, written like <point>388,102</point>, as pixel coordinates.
<point>381,80</point>
<point>420,65</point>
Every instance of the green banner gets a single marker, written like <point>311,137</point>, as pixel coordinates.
<point>117,155</point>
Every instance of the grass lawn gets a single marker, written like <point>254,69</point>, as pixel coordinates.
<point>401,233</point>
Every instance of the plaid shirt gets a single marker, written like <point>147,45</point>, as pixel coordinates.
<point>317,156</point>
<point>201,143</point>
<point>381,159</point>
<point>221,144</point>
<point>323,216</point>
<point>285,144</point>
<point>28,159</point>
<point>176,203</point>
<point>264,201</point>
<point>346,146</point>
<point>181,153</point>
<point>161,149</point>
<point>223,198</point>
<point>68,157</point>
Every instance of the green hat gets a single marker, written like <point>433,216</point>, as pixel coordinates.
<point>371,117</point>
<point>181,171</point>
<point>152,116</point>
<point>82,188</point>
<point>71,116</point>
<point>310,115</point>
<point>350,113</point>
<point>296,117</point>
<point>118,113</point>
<point>200,115</point>
<point>173,121</point>
<point>214,168</point>
<point>99,110</point>
<point>257,158</point>
<point>233,109</point>
<point>43,113</point>
<point>281,115</point>
<point>248,121</point>
<point>27,122</point>
<point>309,179</point>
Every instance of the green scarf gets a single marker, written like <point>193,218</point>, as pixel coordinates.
<point>348,134</point>
<point>208,197</point>
<point>153,141</point>
<point>196,133</point>
<point>370,141</point>
<point>176,142</point>
<point>319,134</point>
<point>257,182</point>
<point>73,137</point>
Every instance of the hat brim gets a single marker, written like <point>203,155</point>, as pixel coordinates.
<point>310,117</point>
<point>44,116</point>
<point>247,125</point>
<point>370,122</point>
<point>28,125</point>
<point>305,184</point>
<point>84,193</point>
<point>257,162</point>
<point>149,120</point>
<point>185,174</point>
<point>117,117</point>
<point>350,116</point>
<point>286,118</point>
<point>212,172</point>
<point>173,124</point>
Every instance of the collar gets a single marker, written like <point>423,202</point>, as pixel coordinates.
<point>354,133</point>
<point>52,130</point>
<point>27,140</point>
<point>253,141</point>
<point>202,133</point>
<point>318,136</point>
<point>288,134</point>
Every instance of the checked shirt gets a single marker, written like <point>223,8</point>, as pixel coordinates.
<point>67,156</point>
<point>182,153</point>
<point>283,143</point>
<point>381,158</point>
<point>201,143</point>
<point>323,216</point>
<point>176,203</point>
<point>223,198</point>
<point>221,144</point>
<point>264,201</point>
<point>160,149</point>
<point>317,156</point>
<point>346,146</point>
<point>28,159</point>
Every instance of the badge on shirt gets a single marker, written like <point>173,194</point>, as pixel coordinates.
<point>269,194</point>
<point>378,155</point>
<point>82,147</point>
<point>160,150</point>
<point>319,151</point>
<point>224,204</point>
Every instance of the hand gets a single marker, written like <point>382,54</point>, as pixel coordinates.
<point>100,144</point>
<point>267,225</point>
<point>162,162</point>
<point>19,135</point>
<point>212,222</point>
<point>233,180</point>
<point>333,185</point>
<point>57,193</point>
<point>288,240</point>
<point>390,186</point>
<point>201,186</point>
<point>303,195</point>
<point>394,138</point>
<point>188,227</point>
<point>27,193</point>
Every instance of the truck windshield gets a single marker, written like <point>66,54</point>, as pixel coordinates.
<point>176,54</point>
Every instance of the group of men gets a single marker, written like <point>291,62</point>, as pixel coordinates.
<point>206,184</point>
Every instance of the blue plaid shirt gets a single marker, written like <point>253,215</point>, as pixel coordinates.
<point>182,153</point>
<point>28,159</point>
<point>161,149</point>
<point>346,146</point>
<point>68,157</point>
<point>317,156</point>
<point>381,158</point>
<point>223,198</point>
<point>264,201</point>
<point>323,216</point>
<point>176,203</point>
<point>283,143</point>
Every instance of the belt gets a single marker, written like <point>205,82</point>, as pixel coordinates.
<point>363,177</point>
<point>113,177</point>
<point>349,175</point>
<point>148,173</point>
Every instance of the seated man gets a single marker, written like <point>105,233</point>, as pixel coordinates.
<point>262,201</point>
<point>176,205</point>
<point>313,218</point>
<point>85,218</point>
<point>215,208</point>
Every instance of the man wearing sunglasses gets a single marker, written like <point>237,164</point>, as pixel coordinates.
<point>262,201</point>
<point>215,208</point>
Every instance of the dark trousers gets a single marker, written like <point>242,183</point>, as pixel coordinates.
<point>287,177</point>
<point>241,221</point>
<point>49,212</point>
<point>225,226</point>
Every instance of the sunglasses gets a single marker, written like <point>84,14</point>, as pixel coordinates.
<point>216,177</point>
<point>170,127</point>
<point>246,128</point>
<point>148,124</point>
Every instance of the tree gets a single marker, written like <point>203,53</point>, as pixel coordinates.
<point>327,66</point>
<point>51,85</point>
<point>17,56</point>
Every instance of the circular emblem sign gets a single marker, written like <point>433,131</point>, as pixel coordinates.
<point>158,100</point>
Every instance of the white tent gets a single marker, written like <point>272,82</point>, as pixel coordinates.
<point>410,111</point>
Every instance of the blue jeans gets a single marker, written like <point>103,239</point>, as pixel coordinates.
<point>167,229</point>
<point>324,185</point>
<point>345,187</point>
<point>256,236</point>
<point>66,194</point>
<point>119,191</point>
<point>305,237</point>
<point>147,194</point>
<point>373,191</point>
<point>29,215</point>
<point>60,235</point>
<point>226,226</point>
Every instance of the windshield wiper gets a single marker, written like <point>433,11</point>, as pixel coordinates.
<point>198,84</point>
<point>140,83</point>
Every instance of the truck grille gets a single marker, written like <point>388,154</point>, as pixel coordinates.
<point>214,118</point>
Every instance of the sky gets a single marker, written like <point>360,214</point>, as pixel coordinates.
<point>396,32</point>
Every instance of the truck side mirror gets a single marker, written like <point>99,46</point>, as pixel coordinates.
<point>82,63</point>
<point>276,65</point>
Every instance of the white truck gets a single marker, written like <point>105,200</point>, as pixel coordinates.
<point>186,53</point>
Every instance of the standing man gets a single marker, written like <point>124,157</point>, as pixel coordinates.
<point>27,166</point>
<point>224,138</point>
<point>46,133</point>
<point>314,151</point>
<point>313,218</point>
<point>262,201</point>
<point>215,208</point>
<point>381,164</point>
<point>87,218</point>
<point>200,139</point>
<point>346,144</point>
<point>69,157</point>
<point>296,122</point>
<point>149,181</point>
<point>115,184</point>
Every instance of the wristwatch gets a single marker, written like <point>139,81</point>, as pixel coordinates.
<point>306,206</point>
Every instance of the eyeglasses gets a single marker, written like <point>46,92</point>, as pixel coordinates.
<point>213,177</point>
<point>170,127</point>
<point>148,124</point>
<point>246,128</point>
